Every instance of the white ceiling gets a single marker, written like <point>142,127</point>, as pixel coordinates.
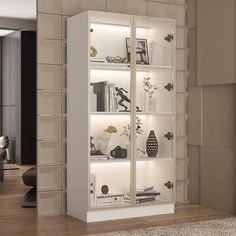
<point>23,9</point>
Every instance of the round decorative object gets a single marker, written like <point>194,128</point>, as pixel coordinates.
<point>105,189</point>
<point>93,51</point>
<point>152,145</point>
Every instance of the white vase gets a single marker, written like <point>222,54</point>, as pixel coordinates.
<point>127,146</point>
<point>149,103</point>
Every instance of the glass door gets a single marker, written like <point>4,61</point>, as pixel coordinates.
<point>155,113</point>
<point>110,116</point>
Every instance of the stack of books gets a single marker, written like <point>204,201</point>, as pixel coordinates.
<point>103,199</point>
<point>109,199</point>
<point>146,194</point>
<point>106,100</point>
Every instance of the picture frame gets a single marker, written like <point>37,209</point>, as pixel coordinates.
<point>142,56</point>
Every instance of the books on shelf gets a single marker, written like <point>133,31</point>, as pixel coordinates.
<point>146,194</point>
<point>93,101</point>
<point>109,199</point>
<point>103,199</point>
<point>106,100</point>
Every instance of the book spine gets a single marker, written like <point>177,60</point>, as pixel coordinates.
<point>110,97</point>
<point>106,98</point>
<point>112,200</point>
<point>115,99</point>
<point>93,100</point>
<point>145,200</point>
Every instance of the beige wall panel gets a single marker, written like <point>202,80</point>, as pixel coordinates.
<point>194,174</point>
<point>49,6</point>
<point>192,58</point>
<point>48,128</point>
<point>181,81</point>
<point>49,51</point>
<point>180,169</point>
<point>64,50</point>
<point>72,7</point>
<point>192,13</point>
<point>137,7</point>
<point>181,59</point>
<point>49,178</point>
<point>167,11</point>
<point>194,116</point>
<point>216,42</point>
<point>64,102</point>
<point>181,37</point>
<point>218,185</point>
<point>53,128</point>
<point>49,102</point>
<point>49,77</point>
<point>49,26</point>
<point>219,116</point>
<point>64,27</point>
<point>180,192</point>
<point>180,103</point>
<point>49,203</point>
<point>180,126</point>
<point>49,153</point>
<point>171,1</point>
<point>64,202</point>
<point>64,127</point>
<point>64,77</point>
<point>64,151</point>
<point>64,177</point>
<point>180,148</point>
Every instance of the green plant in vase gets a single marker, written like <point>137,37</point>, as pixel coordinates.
<point>149,89</point>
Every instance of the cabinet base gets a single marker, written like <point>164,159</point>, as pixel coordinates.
<point>131,212</point>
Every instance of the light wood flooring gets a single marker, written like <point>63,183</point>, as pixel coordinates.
<point>18,221</point>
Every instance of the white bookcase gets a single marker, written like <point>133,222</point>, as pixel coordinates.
<point>118,96</point>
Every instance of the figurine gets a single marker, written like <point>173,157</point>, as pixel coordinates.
<point>93,150</point>
<point>120,92</point>
<point>92,146</point>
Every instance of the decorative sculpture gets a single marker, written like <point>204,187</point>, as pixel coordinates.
<point>120,93</point>
<point>93,51</point>
<point>93,150</point>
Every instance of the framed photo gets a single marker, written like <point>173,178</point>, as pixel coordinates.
<point>141,51</point>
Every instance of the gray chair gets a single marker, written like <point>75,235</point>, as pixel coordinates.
<point>4,144</point>
<point>2,157</point>
<point>29,179</point>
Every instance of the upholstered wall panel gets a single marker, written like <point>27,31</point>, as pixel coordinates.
<point>52,15</point>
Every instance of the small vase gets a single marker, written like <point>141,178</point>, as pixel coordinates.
<point>150,103</point>
<point>127,146</point>
<point>152,145</point>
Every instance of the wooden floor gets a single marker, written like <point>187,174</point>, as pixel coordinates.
<point>18,221</point>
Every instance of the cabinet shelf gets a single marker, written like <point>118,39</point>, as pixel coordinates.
<point>110,206</point>
<point>125,66</point>
<point>128,113</point>
<point>125,160</point>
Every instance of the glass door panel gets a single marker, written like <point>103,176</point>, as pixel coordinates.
<point>110,116</point>
<point>154,152</point>
<point>154,42</point>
